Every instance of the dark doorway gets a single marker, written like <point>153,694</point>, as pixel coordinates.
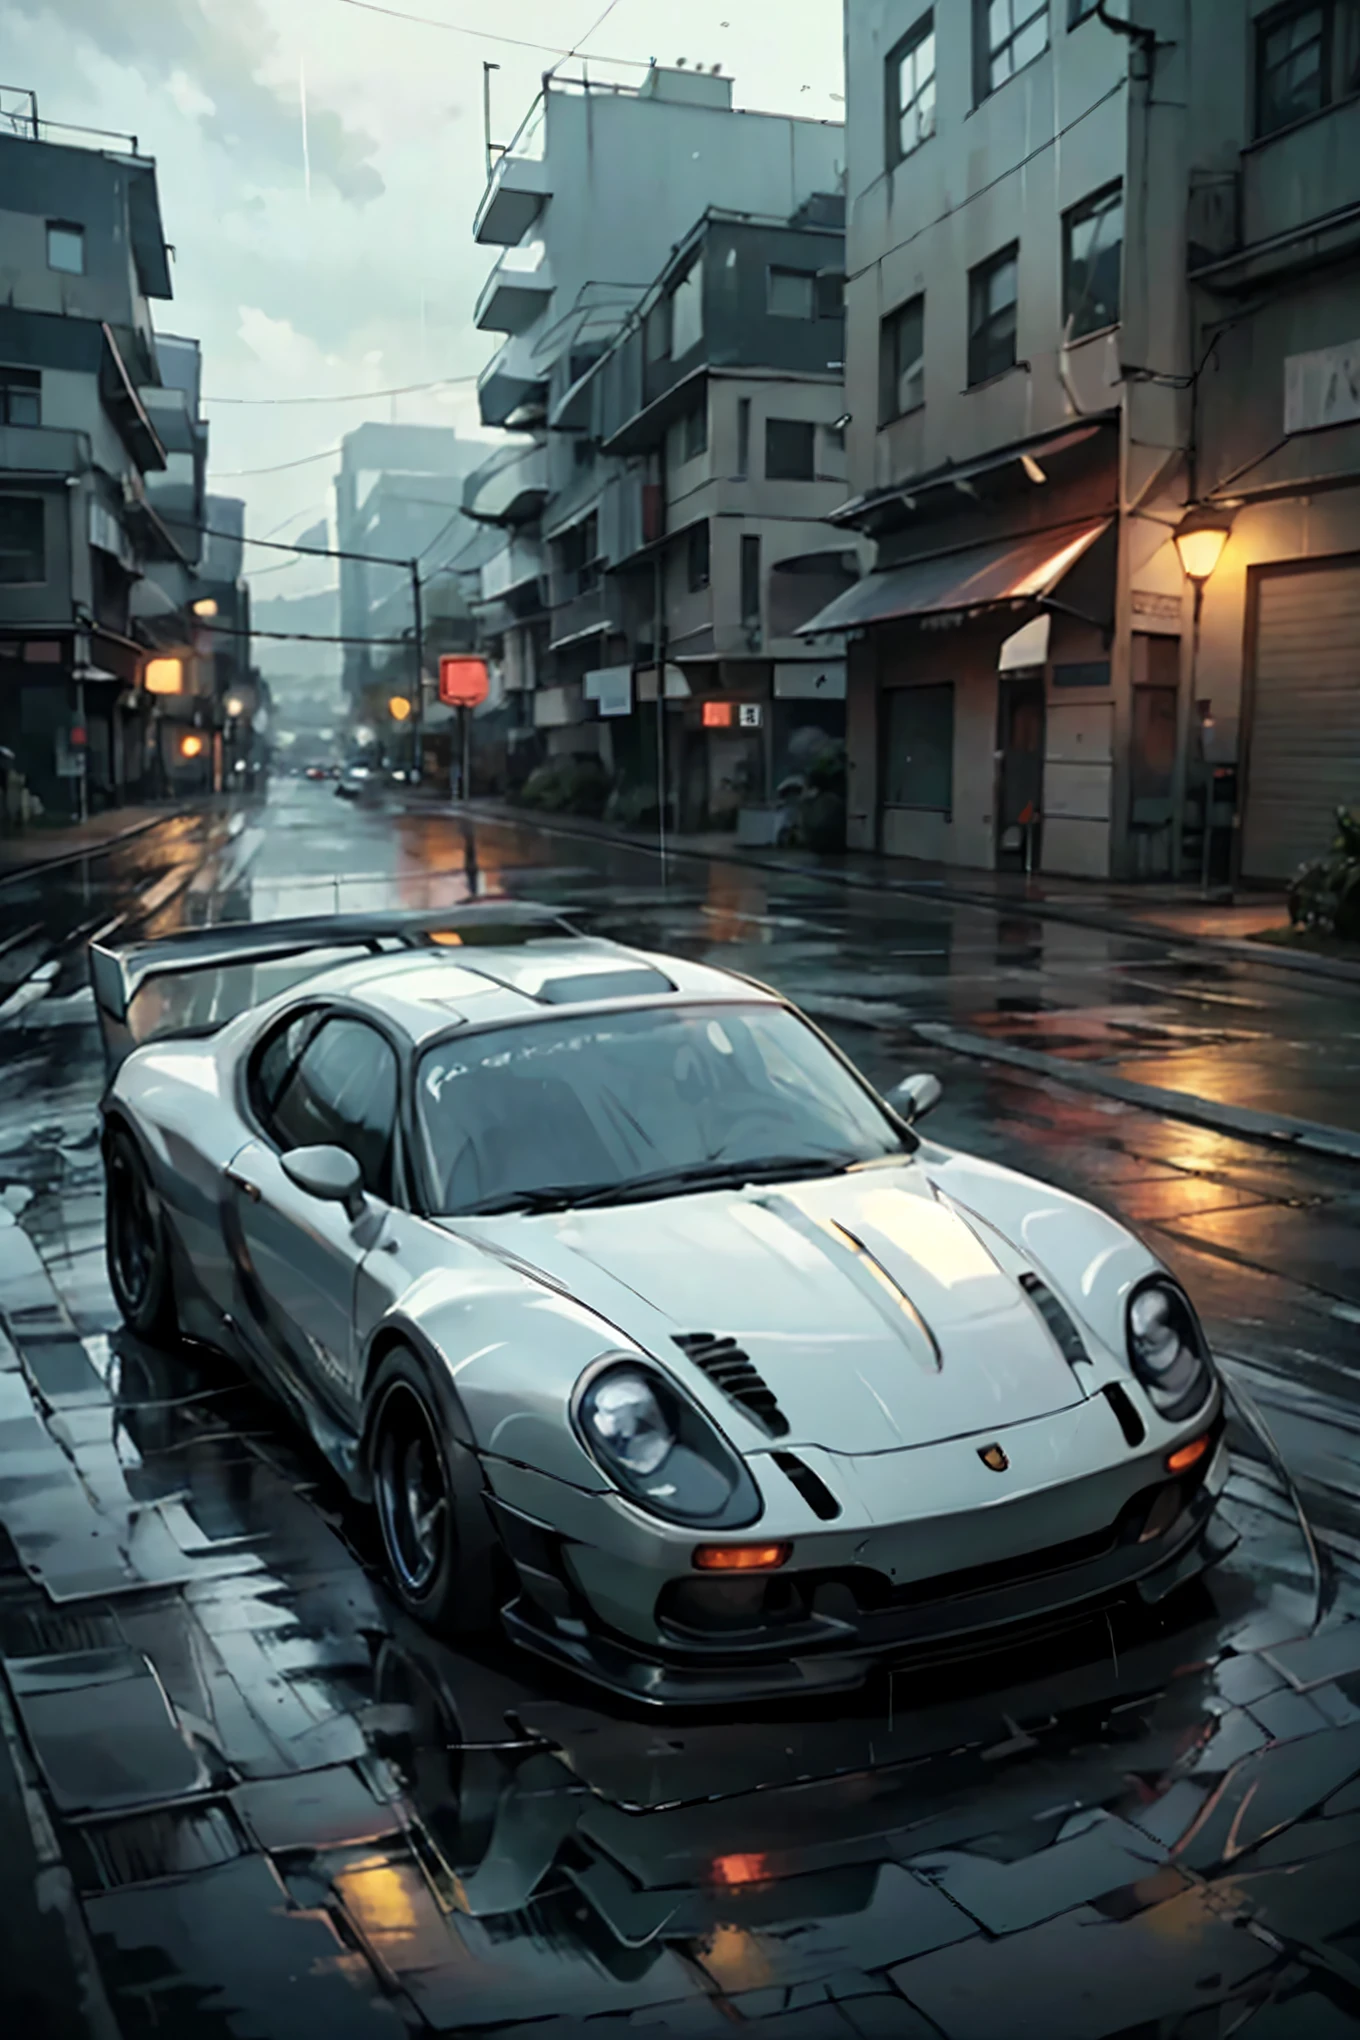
<point>1020,770</point>
<point>1153,737</point>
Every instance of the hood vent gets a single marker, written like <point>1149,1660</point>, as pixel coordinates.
<point>731,1370</point>
<point>814,1491</point>
<point>1056,1318</point>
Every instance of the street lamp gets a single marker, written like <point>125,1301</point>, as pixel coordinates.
<point>1200,538</point>
<point>235,706</point>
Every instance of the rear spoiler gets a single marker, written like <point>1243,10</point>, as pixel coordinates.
<point>195,981</point>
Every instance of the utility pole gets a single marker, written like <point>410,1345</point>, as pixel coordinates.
<point>418,696</point>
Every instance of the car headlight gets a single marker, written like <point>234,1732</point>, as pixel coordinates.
<point>661,1449</point>
<point>1167,1350</point>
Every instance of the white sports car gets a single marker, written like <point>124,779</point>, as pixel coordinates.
<point>652,1333</point>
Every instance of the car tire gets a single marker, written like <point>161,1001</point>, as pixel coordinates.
<point>443,1555</point>
<point>137,1251</point>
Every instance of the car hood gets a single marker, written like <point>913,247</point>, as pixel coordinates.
<point>876,1310</point>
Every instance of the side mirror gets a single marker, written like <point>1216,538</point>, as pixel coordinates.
<point>329,1173</point>
<point>915,1096</point>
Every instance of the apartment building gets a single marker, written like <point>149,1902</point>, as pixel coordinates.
<point>718,414</point>
<point>1073,315</point>
<point>398,497</point>
<point>588,204</point>
<point>102,459</point>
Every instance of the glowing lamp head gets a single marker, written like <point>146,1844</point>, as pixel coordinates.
<point>399,708</point>
<point>235,706</point>
<point>1200,542</point>
<point>205,606</point>
<point>164,676</point>
<point>191,746</point>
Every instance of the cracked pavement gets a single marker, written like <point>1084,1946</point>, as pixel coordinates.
<point>242,1796</point>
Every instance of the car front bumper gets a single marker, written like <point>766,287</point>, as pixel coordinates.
<point>855,1598</point>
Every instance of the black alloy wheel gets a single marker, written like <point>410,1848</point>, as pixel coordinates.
<point>135,1243</point>
<point>437,1537</point>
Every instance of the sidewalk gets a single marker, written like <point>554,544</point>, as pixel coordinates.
<point>1178,911</point>
<point>37,848</point>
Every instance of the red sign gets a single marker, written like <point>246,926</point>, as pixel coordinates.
<point>717,715</point>
<point>463,682</point>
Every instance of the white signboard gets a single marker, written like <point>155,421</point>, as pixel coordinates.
<point>1322,389</point>
<point>748,715</point>
<point>611,689</point>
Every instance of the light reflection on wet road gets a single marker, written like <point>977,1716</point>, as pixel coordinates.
<point>287,1812</point>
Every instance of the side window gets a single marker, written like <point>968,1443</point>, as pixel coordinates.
<point>342,1093</point>
<point>277,1061</point>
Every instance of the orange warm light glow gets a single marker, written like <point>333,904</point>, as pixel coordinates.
<point>399,708</point>
<point>742,1870</point>
<point>446,938</point>
<point>1187,1456</point>
<point>740,1557</point>
<point>717,715</point>
<point>191,746</point>
<point>164,676</point>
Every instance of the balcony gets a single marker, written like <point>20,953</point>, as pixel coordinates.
<point>512,382</point>
<point>515,566</point>
<point>516,293</point>
<point>513,200</point>
<point>579,615</point>
<point>510,488</point>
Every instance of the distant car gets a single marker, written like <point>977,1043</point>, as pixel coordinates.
<point>355,781</point>
<point>317,772</point>
<point>651,1331</point>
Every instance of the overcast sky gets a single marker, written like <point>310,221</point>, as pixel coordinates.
<point>350,265</point>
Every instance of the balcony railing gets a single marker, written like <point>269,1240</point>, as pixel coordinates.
<point>510,488</point>
<point>516,293</point>
<point>517,564</point>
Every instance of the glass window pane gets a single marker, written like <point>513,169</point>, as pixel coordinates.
<point>66,249</point>
<point>687,312</point>
<point>1031,42</point>
<point>998,23</point>
<point>791,293</point>
<point>607,1098</point>
<point>344,1094</point>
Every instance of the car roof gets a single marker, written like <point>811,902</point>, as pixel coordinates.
<point>426,993</point>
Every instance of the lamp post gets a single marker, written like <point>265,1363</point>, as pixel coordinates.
<point>1200,538</point>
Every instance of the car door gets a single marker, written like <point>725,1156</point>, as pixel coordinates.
<point>320,1079</point>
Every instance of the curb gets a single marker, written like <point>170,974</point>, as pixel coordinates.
<point>930,889</point>
<point>1239,1122</point>
<point>32,865</point>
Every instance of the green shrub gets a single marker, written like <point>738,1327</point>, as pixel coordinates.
<point>1325,895</point>
<point>567,786</point>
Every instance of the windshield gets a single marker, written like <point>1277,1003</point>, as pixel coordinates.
<point>604,1101</point>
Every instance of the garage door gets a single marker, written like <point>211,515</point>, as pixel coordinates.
<point>1305,723</point>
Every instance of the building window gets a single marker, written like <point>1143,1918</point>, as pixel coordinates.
<point>830,294</point>
<point>23,553</point>
<point>20,396</point>
<point>656,331</point>
<point>790,449</point>
<point>743,437</point>
<point>694,431</point>
<point>901,361</point>
<point>911,90</point>
<point>578,557</point>
<point>992,288</point>
<point>1007,35</point>
<point>750,584</point>
<point>66,247</point>
<point>697,558</point>
<point>1093,248</point>
<point>1307,57</point>
<point>920,747</point>
<point>791,293</point>
<point>583,453</point>
<point>687,311</point>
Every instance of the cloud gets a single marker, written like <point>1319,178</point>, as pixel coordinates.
<point>212,62</point>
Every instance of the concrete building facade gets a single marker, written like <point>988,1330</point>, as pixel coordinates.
<point>1062,222</point>
<point>588,204</point>
<point>102,460</point>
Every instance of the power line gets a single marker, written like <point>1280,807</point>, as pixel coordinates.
<point>320,552</point>
<point>443,382</point>
<point>518,42</point>
<point>239,474</point>
<point>302,637</point>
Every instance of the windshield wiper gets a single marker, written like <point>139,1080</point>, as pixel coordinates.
<point>712,1175</point>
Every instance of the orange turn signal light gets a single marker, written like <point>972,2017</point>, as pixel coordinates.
<point>740,1557</point>
<point>1186,1456</point>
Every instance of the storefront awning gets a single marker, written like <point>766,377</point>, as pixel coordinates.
<point>975,577</point>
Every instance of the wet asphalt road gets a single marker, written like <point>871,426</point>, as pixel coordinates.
<point>251,1801</point>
